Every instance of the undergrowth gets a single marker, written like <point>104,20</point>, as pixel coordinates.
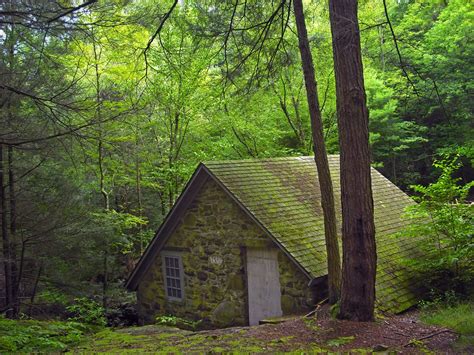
<point>34,336</point>
<point>177,322</point>
<point>458,317</point>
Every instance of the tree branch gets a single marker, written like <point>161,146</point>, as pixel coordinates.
<point>71,10</point>
<point>395,42</point>
<point>157,32</point>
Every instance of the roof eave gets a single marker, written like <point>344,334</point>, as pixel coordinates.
<point>168,226</point>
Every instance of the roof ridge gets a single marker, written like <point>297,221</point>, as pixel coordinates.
<point>259,160</point>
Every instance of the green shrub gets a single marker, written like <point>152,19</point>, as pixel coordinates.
<point>85,310</point>
<point>443,221</point>
<point>30,335</point>
<point>51,295</point>
<point>177,322</point>
<point>436,300</point>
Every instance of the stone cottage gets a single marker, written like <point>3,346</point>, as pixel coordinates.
<point>245,242</point>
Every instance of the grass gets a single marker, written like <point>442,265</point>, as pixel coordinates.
<point>166,340</point>
<point>55,336</point>
<point>459,317</point>
<point>340,341</point>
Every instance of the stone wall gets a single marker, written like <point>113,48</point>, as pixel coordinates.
<point>211,240</point>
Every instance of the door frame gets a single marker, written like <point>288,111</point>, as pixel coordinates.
<point>245,259</point>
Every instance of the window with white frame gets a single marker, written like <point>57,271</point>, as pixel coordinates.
<point>173,275</point>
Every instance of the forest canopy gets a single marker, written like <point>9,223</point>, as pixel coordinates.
<point>107,107</point>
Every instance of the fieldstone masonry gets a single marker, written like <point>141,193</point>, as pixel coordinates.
<point>212,239</point>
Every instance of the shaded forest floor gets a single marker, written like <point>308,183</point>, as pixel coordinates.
<point>402,333</point>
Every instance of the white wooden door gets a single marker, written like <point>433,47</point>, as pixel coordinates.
<point>263,284</point>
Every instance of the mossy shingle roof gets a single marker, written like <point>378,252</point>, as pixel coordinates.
<point>283,195</point>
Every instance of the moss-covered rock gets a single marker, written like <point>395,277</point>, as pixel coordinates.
<point>201,275</point>
<point>236,282</point>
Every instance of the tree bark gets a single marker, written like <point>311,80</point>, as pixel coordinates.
<point>13,245</point>
<point>320,157</point>
<point>35,286</point>
<point>7,266</point>
<point>358,230</point>
<point>138,188</point>
<point>100,162</point>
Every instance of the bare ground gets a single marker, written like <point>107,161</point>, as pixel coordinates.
<point>320,333</point>
<point>401,333</point>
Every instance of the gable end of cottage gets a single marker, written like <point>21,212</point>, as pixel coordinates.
<point>210,241</point>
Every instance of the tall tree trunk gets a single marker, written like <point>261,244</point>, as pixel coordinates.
<point>35,285</point>
<point>19,276</point>
<point>358,231</point>
<point>100,162</point>
<point>5,239</point>
<point>138,187</point>
<point>105,195</point>
<point>320,157</point>
<point>9,233</point>
<point>14,269</point>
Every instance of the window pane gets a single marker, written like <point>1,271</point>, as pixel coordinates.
<point>172,274</point>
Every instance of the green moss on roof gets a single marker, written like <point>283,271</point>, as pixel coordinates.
<point>283,195</point>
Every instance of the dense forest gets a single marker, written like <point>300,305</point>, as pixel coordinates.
<point>107,108</point>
